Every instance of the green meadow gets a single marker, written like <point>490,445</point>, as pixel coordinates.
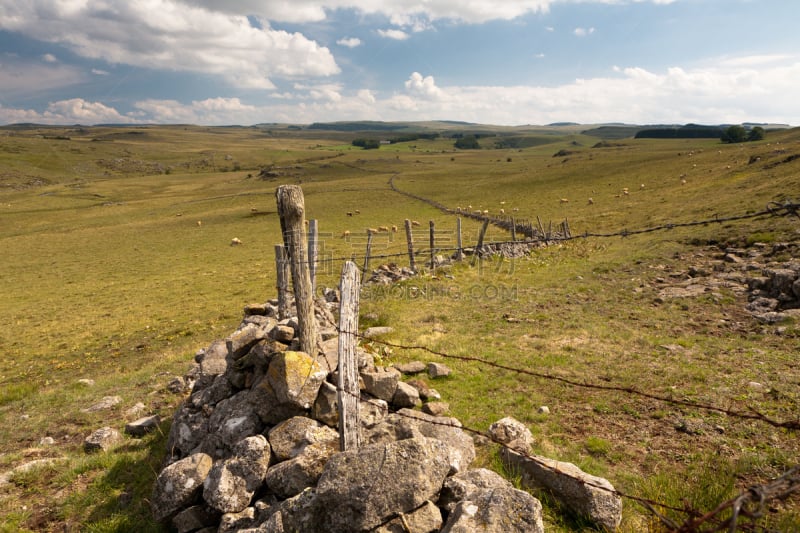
<point>117,267</point>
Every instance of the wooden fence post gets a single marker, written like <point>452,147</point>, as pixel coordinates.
<point>481,235</point>
<point>368,253</point>
<point>282,275</point>
<point>291,209</point>
<point>513,229</point>
<point>410,241</point>
<point>459,250</point>
<point>347,395</point>
<point>313,250</point>
<point>433,250</point>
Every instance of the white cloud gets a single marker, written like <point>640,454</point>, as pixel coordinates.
<point>100,72</point>
<point>583,32</point>
<point>349,42</point>
<point>72,111</point>
<point>397,35</point>
<point>164,34</point>
<point>17,77</point>
<point>49,58</point>
<point>367,96</point>
<point>424,87</point>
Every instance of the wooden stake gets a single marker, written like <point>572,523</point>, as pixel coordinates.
<point>291,209</point>
<point>282,273</point>
<point>433,250</point>
<point>347,395</point>
<point>459,250</point>
<point>513,229</point>
<point>312,253</point>
<point>368,253</point>
<point>410,241</point>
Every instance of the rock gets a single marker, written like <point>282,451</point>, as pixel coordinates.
<point>326,408</point>
<point>289,438</point>
<point>106,403</point>
<point>282,333</point>
<point>194,518</point>
<point>231,483</point>
<point>329,356</point>
<point>256,309</point>
<point>362,489</point>
<point>101,439</point>
<point>464,485</point>
<point>509,430</point>
<point>177,385</point>
<point>296,378</point>
<point>436,408</point>
<point>47,441</point>
<point>86,382</point>
<point>296,514</point>
<point>590,496</point>
<point>213,360</point>
<point>414,367</point>
<point>426,519</point>
<point>233,522</point>
<point>372,411</point>
<point>240,342</point>
<point>179,485</point>
<point>232,420</point>
<point>189,428</point>
<point>135,411</point>
<point>543,410</point>
<point>376,331</point>
<point>290,478</point>
<point>438,370</point>
<point>382,385</point>
<point>143,426</point>
<point>405,396</point>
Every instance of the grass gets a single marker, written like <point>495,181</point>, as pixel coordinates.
<point>108,276</point>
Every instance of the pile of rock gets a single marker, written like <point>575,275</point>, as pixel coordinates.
<point>774,295</point>
<point>254,447</point>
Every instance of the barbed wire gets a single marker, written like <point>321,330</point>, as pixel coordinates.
<point>750,503</point>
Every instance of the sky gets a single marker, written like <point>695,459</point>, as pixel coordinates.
<point>509,62</point>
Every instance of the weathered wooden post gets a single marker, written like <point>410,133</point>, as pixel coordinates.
<point>291,209</point>
<point>513,229</point>
<point>282,275</point>
<point>313,249</point>
<point>368,253</point>
<point>481,235</point>
<point>459,248</point>
<point>433,249</point>
<point>410,241</point>
<point>541,228</point>
<point>347,393</point>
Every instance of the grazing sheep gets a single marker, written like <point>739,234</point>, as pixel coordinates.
<point>199,223</point>
<point>384,229</point>
<point>641,187</point>
<point>349,213</point>
<point>345,234</point>
<point>357,212</point>
<point>502,211</point>
<point>591,201</point>
<point>394,229</point>
<point>372,230</point>
<point>254,210</point>
<point>516,209</point>
<point>485,211</point>
<point>683,181</point>
<point>414,223</point>
<point>564,201</point>
<point>236,241</point>
<point>469,207</point>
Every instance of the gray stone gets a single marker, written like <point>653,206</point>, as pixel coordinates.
<point>414,367</point>
<point>510,431</point>
<point>405,396</point>
<point>194,518</point>
<point>377,331</point>
<point>438,370</point>
<point>295,378</point>
<point>362,489</point>
<point>241,340</point>
<point>543,410</point>
<point>382,385</point>
<point>282,333</point>
<point>426,519</point>
<point>232,420</point>
<point>297,514</point>
<point>179,485</point>
<point>189,428</point>
<point>101,440</point>
<point>290,478</point>
<point>590,496</point>
<point>503,510</point>
<point>143,426</point>
<point>213,360</point>
<point>464,486</point>
<point>86,382</point>
<point>329,355</point>
<point>461,448</point>
<point>372,411</point>
<point>231,483</point>
<point>436,408</point>
<point>47,441</point>
<point>233,522</point>
<point>326,407</point>
<point>289,438</point>
<point>178,385</point>
<point>103,405</point>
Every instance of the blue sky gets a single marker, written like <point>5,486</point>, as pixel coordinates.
<point>509,62</point>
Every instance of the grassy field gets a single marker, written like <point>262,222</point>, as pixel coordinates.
<point>117,268</point>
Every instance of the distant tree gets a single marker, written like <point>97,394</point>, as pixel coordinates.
<point>756,134</point>
<point>367,144</point>
<point>468,142</point>
<point>734,134</point>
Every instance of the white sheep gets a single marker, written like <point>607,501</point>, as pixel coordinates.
<point>236,241</point>
<point>345,234</point>
<point>394,229</point>
<point>199,223</point>
<point>564,201</point>
<point>591,201</point>
<point>414,223</point>
<point>384,229</point>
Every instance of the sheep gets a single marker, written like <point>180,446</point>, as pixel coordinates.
<point>683,181</point>
<point>349,213</point>
<point>199,223</point>
<point>357,212</point>
<point>502,211</point>
<point>641,187</point>
<point>371,231</point>
<point>414,223</point>
<point>236,241</point>
<point>485,211</point>
<point>345,234</point>
<point>394,229</point>
<point>503,203</point>
<point>384,229</point>
<point>564,201</point>
<point>254,210</point>
<point>591,201</point>
<point>516,209</point>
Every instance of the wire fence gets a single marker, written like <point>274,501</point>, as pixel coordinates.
<point>750,504</point>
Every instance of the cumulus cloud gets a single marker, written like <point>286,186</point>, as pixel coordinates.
<point>424,87</point>
<point>583,32</point>
<point>49,58</point>
<point>397,35</point>
<point>168,35</point>
<point>100,72</point>
<point>72,111</point>
<point>349,42</point>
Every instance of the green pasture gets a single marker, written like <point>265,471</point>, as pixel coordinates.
<point>117,267</point>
